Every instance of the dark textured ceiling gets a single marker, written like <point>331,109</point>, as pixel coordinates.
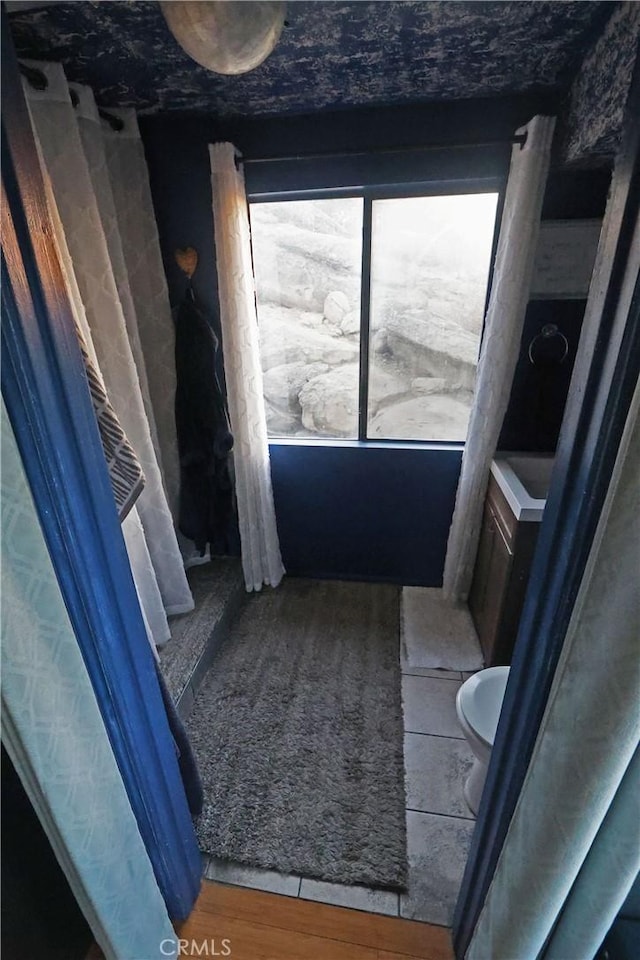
<point>331,54</point>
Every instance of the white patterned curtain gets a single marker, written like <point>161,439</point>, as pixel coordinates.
<point>138,232</point>
<point>512,277</point>
<point>572,851</point>
<point>95,262</point>
<point>55,736</point>
<point>261,561</point>
<point>147,282</point>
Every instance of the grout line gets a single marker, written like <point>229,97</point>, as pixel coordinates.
<point>441,736</point>
<point>422,676</point>
<point>450,816</point>
<point>431,923</point>
<point>299,887</point>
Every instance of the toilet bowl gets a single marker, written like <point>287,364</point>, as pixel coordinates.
<point>478,705</point>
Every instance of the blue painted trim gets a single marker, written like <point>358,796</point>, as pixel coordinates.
<point>403,173</point>
<point>331,193</point>
<point>388,191</point>
<point>45,390</point>
<point>596,413</point>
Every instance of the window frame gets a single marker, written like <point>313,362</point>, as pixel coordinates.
<point>369,194</point>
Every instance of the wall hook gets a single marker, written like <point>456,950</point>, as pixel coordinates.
<point>187,260</point>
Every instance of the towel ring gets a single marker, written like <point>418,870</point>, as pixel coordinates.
<point>549,331</point>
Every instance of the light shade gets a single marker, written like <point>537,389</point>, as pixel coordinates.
<point>226,36</point>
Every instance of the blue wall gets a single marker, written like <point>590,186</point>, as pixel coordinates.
<point>359,511</point>
<point>374,512</point>
<point>176,147</point>
<point>536,406</point>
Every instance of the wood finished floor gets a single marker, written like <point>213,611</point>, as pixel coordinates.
<point>267,926</point>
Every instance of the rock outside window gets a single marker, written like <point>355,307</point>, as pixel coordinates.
<point>395,362</point>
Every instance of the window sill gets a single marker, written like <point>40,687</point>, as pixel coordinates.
<point>366,444</point>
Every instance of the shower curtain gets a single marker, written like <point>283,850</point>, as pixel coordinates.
<point>102,268</point>
<point>261,560</point>
<point>512,277</point>
<point>147,282</point>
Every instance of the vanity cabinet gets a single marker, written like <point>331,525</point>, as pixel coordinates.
<point>503,562</point>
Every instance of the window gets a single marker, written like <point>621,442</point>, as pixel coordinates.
<point>307,257</point>
<point>370,313</point>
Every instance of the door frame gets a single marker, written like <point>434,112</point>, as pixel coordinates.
<point>45,390</point>
<point>605,374</point>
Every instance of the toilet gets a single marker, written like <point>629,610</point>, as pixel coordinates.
<point>478,705</point>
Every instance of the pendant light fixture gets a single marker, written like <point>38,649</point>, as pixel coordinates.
<point>226,36</point>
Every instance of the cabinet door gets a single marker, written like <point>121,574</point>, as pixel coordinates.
<point>481,574</point>
<point>490,583</point>
<point>497,592</point>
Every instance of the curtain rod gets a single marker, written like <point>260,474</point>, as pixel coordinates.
<point>38,80</point>
<point>520,138</point>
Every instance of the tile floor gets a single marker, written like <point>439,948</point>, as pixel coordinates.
<point>439,823</point>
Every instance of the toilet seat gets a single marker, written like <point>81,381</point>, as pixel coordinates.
<point>480,701</point>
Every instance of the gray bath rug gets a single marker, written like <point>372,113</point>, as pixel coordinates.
<point>435,634</point>
<point>298,733</point>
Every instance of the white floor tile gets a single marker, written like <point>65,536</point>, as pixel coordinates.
<point>343,895</point>
<point>270,880</point>
<point>430,706</point>
<point>438,848</point>
<point>435,771</point>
